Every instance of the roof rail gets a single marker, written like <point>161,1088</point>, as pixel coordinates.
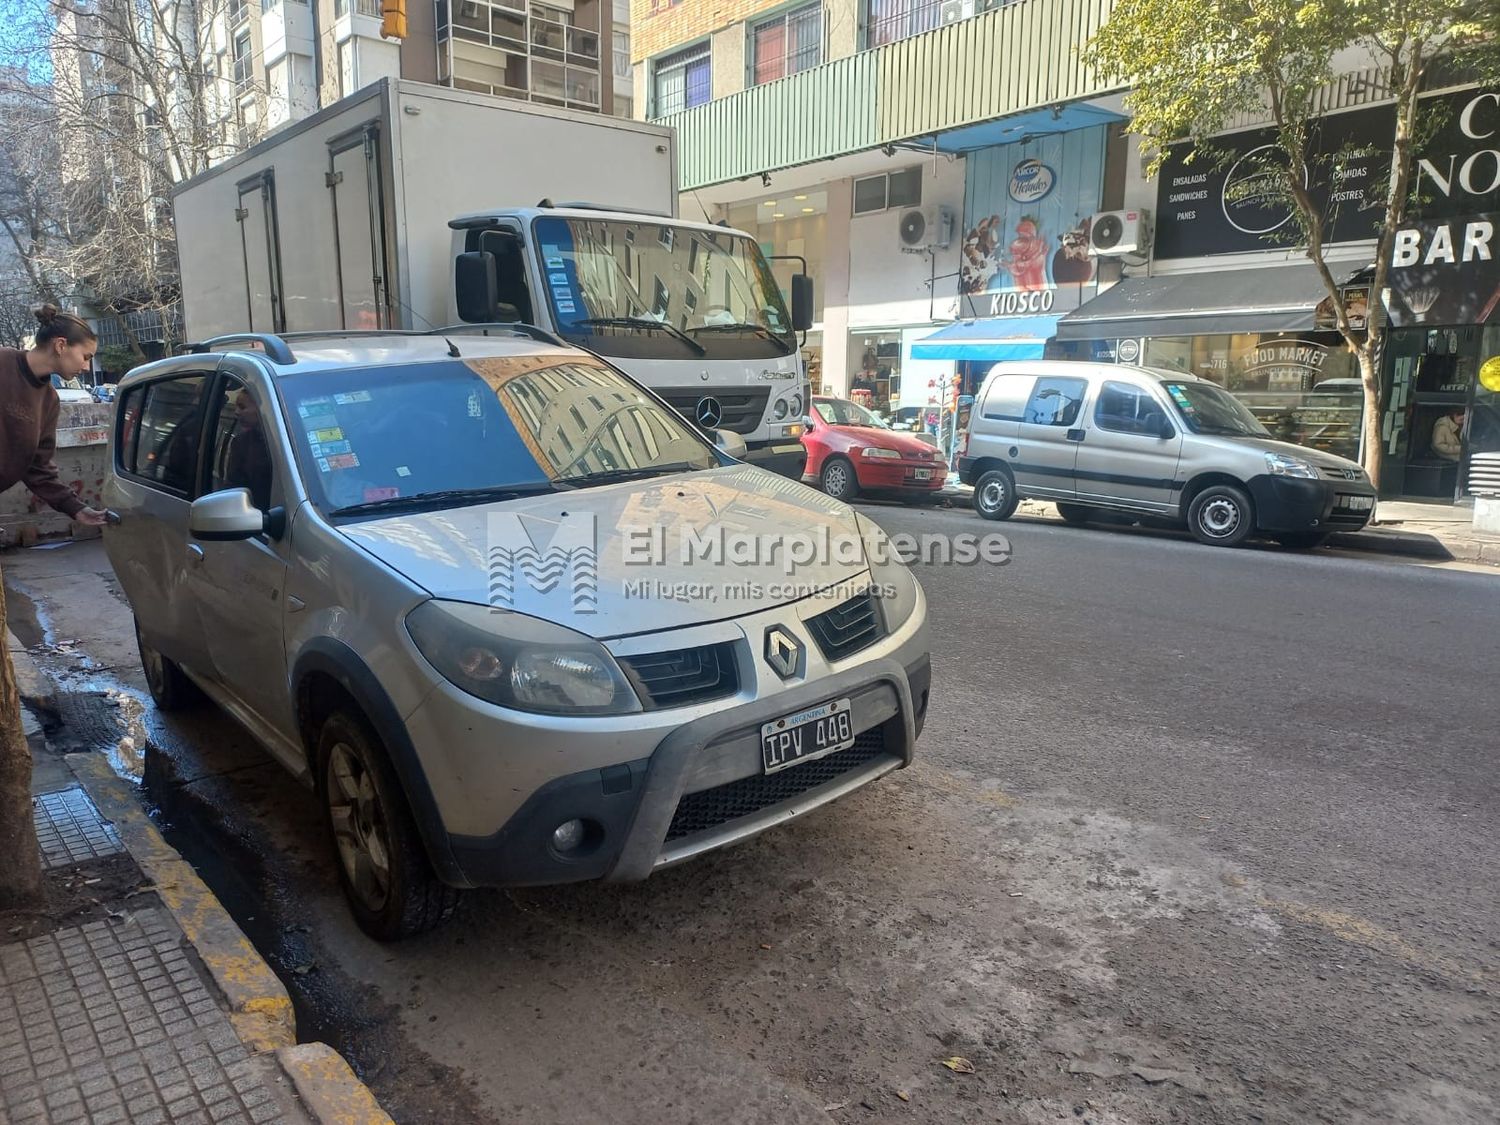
<point>273,345</point>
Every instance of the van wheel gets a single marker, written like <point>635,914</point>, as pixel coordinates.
<point>995,494</point>
<point>387,879</point>
<point>1075,513</point>
<point>1222,515</point>
<point>1303,540</point>
<point>170,688</point>
<point>838,480</point>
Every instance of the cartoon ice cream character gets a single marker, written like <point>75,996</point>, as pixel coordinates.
<point>1027,260</point>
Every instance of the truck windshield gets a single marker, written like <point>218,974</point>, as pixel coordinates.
<point>644,289</point>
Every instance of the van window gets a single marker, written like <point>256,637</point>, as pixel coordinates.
<point>1127,409</point>
<point>1007,396</point>
<point>169,428</point>
<point>1056,402</point>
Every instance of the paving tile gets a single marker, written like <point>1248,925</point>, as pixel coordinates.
<point>69,828</point>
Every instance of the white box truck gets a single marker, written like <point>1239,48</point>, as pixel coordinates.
<point>411,207</point>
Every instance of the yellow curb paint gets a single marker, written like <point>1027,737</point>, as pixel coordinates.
<point>261,1010</point>
<point>329,1090</point>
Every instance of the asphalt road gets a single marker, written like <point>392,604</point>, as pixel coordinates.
<point>1195,835</point>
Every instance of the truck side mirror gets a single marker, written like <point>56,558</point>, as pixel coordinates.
<point>476,287</point>
<point>802,302</point>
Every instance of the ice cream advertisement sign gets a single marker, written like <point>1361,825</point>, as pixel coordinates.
<point>1028,205</point>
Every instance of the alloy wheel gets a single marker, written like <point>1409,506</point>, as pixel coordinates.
<point>359,825</point>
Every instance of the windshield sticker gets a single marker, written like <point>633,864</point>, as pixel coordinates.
<point>1180,399</point>
<point>402,471</point>
<point>333,433</point>
<point>314,406</point>
<point>352,396</point>
<point>476,408</point>
<point>558,279</point>
<point>343,461</point>
<point>373,494</point>
<point>566,306</point>
<point>315,422</point>
<point>322,464</point>
<point>555,263</point>
<point>329,448</point>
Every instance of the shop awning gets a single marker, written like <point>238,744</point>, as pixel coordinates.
<point>1265,299</point>
<point>992,339</point>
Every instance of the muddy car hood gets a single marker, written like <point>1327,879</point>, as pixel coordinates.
<point>631,557</point>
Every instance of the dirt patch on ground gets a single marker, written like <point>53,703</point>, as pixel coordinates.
<point>83,892</point>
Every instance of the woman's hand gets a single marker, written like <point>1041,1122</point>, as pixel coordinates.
<point>92,517</point>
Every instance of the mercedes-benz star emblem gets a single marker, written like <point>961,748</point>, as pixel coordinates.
<point>783,652</point>
<point>708,412</point>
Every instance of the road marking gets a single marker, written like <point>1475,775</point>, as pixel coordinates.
<point>1361,931</point>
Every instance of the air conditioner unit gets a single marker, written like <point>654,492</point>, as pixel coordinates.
<point>926,228</point>
<point>951,11</point>
<point>1113,233</point>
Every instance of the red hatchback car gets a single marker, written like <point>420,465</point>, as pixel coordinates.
<point>850,451</point>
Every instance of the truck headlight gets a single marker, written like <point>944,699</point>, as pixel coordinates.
<point>796,407</point>
<point>1285,465</point>
<point>894,581</point>
<point>781,409</point>
<point>520,662</point>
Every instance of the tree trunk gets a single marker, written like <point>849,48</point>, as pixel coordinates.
<point>20,862</point>
<point>1369,372</point>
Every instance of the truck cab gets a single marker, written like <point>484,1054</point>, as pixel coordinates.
<point>690,310</point>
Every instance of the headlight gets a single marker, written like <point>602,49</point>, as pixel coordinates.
<point>520,662</point>
<point>872,451</point>
<point>896,584</point>
<point>1283,465</point>
<point>781,409</point>
<point>796,404</point>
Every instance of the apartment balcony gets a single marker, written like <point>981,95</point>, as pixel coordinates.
<point>1020,57</point>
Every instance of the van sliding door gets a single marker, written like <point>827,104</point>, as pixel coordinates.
<point>356,192</point>
<point>260,245</point>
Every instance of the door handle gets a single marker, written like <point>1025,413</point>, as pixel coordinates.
<point>1075,435</point>
<point>195,553</point>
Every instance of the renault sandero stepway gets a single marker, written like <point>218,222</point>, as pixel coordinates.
<point>1097,438</point>
<point>512,617</point>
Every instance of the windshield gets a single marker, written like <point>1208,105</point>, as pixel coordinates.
<point>842,412</point>
<point>608,280</point>
<point>1206,409</point>
<point>367,435</point>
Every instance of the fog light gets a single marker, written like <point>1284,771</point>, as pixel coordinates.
<point>568,835</point>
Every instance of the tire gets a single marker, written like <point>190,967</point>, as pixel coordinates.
<point>1075,513</point>
<point>388,882</point>
<point>1222,515</point>
<point>838,479</point>
<point>170,688</point>
<point>1303,540</point>
<point>995,494</point>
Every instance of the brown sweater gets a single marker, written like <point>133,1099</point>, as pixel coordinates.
<point>28,434</point>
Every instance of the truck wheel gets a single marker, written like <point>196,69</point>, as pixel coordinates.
<point>995,494</point>
<point>170,688</point>
<point>838,480</point>
<point>387,879</point>
<point>1222,515</point>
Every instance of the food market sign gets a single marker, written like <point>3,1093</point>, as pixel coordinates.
<point>1230,206</point>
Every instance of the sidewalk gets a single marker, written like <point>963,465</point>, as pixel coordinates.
<point>1401,527</point>
<point>136,998</point>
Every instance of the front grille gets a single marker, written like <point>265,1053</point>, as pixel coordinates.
<point>675,679</point>
<point>741,410</point>
<point>847,628</point>
<point>699,812</point>
<point>1342,474</point>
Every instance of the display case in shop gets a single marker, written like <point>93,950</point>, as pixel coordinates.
<point>1327,417</point>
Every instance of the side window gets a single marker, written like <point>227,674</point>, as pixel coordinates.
<point>171,423</point>
<point>1056,402</point>
<point>1006,397</point>
<point>1127,410</point>
<point>128,421</point>
<point>241,454</point>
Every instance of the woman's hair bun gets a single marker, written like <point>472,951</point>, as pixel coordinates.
<point>46,315</point>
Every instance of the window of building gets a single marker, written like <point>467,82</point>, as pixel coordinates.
<point>889,21</point>
<point>889,189</point>
<point>622,54</point>
<point>786,43</point>
<point>681,81</point>
<point>242,57</point>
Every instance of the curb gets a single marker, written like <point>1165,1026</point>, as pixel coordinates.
<point>329,1090</point>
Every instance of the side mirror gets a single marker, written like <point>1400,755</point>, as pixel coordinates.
<point>225,516</point>
<point>1164,428</point>
<point>802,302</point>
<point>732,444</point>
<point>476,287</point>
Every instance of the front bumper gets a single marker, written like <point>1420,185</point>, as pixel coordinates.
<point>1285,504</point>
<point>656,788</point>
<point>878,474</point>
<point>784,458</point>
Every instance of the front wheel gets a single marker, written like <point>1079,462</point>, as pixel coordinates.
<point>838,480</point>
<point>1303,540</point>
<point>995,495</point>
<point>1222,515</point>
<point>170,688</point>
<point>387,879</point>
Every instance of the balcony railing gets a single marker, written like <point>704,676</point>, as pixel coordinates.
<point>1018,57</point>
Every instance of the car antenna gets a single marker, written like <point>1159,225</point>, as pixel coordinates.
<point>453,352</point>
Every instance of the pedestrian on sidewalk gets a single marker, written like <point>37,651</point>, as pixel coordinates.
<point>28,436</point>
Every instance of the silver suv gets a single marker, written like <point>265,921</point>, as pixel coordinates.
<point>1097,438</point>
<point>476,591</point>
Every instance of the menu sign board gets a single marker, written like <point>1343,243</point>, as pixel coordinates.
<point>1226,202</point>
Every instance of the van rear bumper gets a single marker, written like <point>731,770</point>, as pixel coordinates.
<point>1299,504</point>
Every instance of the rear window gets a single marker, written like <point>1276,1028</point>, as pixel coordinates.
<point>369,434</point>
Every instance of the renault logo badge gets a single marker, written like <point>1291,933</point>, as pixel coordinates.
<point>783,652</point>
<point>709,413</point>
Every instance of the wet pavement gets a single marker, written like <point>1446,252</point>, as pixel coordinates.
<point>1194,835</point>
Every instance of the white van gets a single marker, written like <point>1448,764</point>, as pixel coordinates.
<point>1097,437</point>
